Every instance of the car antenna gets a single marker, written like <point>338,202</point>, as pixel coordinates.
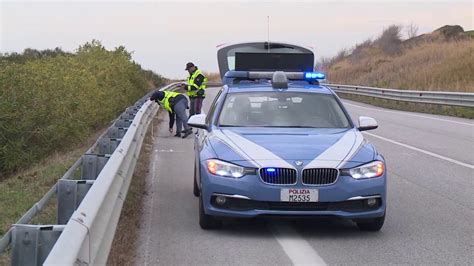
<point>268,33</point>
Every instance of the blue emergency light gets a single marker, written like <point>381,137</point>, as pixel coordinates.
<point>270,170</point>
<point>314,75</point>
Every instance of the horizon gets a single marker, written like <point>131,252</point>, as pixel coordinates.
<point>163,36</point>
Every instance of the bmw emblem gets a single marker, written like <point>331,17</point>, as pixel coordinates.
<point>298,163</point>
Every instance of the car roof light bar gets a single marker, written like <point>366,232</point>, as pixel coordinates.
<point>269,75</point>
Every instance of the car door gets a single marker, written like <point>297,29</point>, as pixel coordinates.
<point>201,141</point>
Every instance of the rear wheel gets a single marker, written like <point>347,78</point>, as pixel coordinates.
<point>372,225</point>
<point>207,221</point>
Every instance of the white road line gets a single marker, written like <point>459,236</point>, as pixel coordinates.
<point>150,216</point>
<point>422,151</point>
<point>408,114</point>
<point>296,248</point>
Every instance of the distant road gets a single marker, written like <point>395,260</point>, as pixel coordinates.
<point>430,205</point>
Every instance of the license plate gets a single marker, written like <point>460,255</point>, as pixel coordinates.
<point>299,195</point>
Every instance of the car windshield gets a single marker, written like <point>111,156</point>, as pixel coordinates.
<point>282,109</point>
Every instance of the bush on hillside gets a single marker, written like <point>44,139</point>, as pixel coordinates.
<point>48,103</point>
<point>390,40</point>
<point>357,52</point>
<point>31,54</point>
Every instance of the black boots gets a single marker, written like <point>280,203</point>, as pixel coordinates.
<point>187,132</point>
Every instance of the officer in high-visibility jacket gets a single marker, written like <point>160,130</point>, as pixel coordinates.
<point>195,88</point>
<point>176,105</point>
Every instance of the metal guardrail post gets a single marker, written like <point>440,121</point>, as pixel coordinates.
<point>123,122</point>
<point>31,244</point>
<point>70,194</point>
<point>92,165</point>
<point>108,145</point>
<point>116,132</point>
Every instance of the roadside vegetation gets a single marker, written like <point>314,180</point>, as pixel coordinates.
<point>18,193</point>
<point>51,99</point>
<point>53,107</point>
<point>213,76</point>
<point>438,61</point>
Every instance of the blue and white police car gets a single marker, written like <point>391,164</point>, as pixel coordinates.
<point>277,143</point>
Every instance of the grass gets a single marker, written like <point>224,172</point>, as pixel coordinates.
<point>21,190</point>
<point>19,193</point>
<point>127,234</point>
<point>436,66</point>
<point>470,33</point>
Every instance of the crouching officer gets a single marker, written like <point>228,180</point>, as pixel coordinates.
<point>176,105</point>
<point>195,88</point>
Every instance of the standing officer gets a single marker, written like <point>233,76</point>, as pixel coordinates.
<point>195,88</point>
<point>176,104</point>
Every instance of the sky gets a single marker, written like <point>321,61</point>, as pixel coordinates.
<point>164,35</point>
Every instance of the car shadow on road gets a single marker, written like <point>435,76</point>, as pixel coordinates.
<point>244,228</point>
<point>332,228</point>
<point>327,227</point>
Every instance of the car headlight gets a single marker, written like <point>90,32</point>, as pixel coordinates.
<point>221,168</point>
<point>370,170</point>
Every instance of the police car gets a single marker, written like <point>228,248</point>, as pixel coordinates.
<point>277,143</point>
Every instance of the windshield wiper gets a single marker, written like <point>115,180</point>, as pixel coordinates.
<point>231,126</point>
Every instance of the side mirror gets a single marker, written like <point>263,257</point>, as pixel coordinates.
<point>367,123</point>
<point>198,121</point>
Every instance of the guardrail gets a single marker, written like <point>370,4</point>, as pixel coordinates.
<point>88,236</point>
<point>463,99</point>
<point>88,207</point>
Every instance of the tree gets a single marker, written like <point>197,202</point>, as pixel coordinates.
<point>412,30</point>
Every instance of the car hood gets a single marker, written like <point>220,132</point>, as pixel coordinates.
<point>277,147</point>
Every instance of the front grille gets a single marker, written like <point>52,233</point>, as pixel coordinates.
<point>320,176</point>
<point>278,176</point>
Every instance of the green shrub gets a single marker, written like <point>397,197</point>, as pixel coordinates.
<point>48,103</point>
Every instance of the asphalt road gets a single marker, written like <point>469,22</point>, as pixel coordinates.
<point>430,211</point>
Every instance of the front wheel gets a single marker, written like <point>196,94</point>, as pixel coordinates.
<point>195,187</point>
<point>207,221</point>
<point>371,225</point>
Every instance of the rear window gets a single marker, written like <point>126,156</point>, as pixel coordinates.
<point>282,109</point>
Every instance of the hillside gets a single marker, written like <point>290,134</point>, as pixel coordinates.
<point>441,61</point>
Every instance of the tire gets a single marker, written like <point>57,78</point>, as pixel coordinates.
<point>196,191</point>
<point>207,222</point>
<point>371,225</point>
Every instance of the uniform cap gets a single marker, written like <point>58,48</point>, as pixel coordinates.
<point>189,65</point>
<point>159,95</point>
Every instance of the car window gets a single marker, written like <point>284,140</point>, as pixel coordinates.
<point>282,109</point>
<point>213,108</point>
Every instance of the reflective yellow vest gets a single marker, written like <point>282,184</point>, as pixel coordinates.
<point>165,102</point>
<point>192,88</point>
